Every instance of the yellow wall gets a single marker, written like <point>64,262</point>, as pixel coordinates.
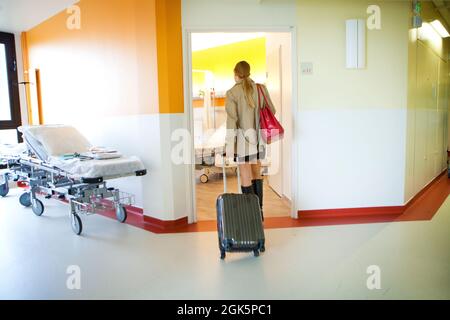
<point>428,105</point>
<point>222,60</point>
<point>125,60</point>
<point>321,40</point>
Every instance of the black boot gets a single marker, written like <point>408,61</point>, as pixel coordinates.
<point>258,189</point>
<point>247,190</point>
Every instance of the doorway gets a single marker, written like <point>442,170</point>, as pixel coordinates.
<point>212,57</point>
<point>10,118</point>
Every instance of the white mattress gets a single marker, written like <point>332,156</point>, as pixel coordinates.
<point>215,141</point>
<point>99,168</point>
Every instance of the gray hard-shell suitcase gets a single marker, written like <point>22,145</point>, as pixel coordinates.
<point>239,222</point>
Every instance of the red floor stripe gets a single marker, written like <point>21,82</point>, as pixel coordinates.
<point>424,208</point>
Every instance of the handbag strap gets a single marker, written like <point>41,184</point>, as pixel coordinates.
<point>261,93</point>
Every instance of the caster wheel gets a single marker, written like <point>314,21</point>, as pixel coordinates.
<point>77,225</point>
<point>204,178</point>
<point>38,207</point>
<point>4,189</point>
<point>263,249</point>
<point>222,255</point>
<point>121,214</point>
<point>256,253</point>
<point>25,199</point>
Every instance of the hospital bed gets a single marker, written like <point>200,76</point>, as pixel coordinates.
<point>209,155</point>
<point>209,151</point>
<point>58,162</point>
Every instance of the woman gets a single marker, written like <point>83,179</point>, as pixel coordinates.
<point>243,138</point>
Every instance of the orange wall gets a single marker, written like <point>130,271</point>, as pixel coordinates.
<point>110,67</point>
<point>170,56</point>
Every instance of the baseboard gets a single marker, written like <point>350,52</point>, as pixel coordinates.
<point>135,210</point>
<point>367,211</point>
<point>165,225</point>
<point>351,212</point>
<point>421,207</point>
<point>424,189</point>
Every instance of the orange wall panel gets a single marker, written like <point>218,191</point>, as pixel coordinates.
<point>170,56</point>
<point>107,68</point>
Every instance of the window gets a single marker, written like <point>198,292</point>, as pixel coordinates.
<point>9,90</point>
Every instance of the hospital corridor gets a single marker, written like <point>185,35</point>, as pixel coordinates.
<point>203,151</point>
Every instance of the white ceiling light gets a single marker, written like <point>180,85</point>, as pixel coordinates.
<point>437,25</point>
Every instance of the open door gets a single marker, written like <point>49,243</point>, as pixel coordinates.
<point>279,84</point>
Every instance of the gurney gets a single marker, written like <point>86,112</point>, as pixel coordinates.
<point>58,162</point>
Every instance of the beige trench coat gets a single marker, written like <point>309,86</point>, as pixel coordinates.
<point>243,138</point>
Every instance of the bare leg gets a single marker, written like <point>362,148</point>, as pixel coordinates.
<point>256,171</point>
<point>246,174</point>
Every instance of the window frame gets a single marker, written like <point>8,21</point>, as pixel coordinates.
<point>8,40</point>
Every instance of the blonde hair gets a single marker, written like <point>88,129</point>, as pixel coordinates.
<point>242,70</point>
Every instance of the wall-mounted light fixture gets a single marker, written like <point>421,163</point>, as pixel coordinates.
<point>440,29</point>
<point>356,43</point>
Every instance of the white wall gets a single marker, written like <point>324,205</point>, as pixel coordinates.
<point>161,193</point>
<point>238,13</point>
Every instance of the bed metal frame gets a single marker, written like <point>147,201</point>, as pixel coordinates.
<point>85,196</point>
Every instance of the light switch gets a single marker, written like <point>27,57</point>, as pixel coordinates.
<point>307,68</point>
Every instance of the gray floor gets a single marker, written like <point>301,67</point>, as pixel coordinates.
<point>119,261</point>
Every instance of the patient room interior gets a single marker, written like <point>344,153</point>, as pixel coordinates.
<point>214,56</point>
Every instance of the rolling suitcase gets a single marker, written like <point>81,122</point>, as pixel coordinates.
<point>239,222</point>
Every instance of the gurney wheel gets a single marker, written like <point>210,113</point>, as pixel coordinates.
<point>204,178</point>
<point>38,207</point>
<point>121,214</point>
<point>4,189</point>
<point>77,225</point>
<point>25,199</point>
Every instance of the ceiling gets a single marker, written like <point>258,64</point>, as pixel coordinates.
<point>22,15</point>
<point>443,7</point>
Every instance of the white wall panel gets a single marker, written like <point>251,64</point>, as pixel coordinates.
<point>352,158</point>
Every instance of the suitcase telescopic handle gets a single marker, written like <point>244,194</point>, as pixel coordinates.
<point>224,172</point>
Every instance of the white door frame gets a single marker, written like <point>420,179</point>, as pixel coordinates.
<point>189,119</point>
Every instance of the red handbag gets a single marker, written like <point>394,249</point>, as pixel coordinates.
<point>271,128</point>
